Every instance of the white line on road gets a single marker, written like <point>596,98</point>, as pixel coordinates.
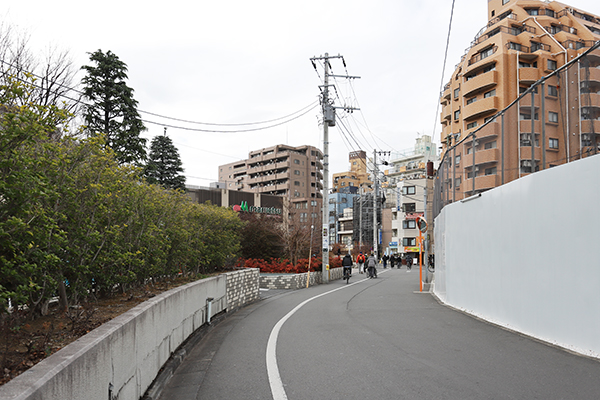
<point>272,369</point>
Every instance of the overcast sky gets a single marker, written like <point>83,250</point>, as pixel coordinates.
<point>235,62</point>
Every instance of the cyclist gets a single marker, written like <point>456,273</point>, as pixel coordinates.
<point>347,264</point>
<point>371,266</point>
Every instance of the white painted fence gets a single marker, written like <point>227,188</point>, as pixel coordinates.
<point>526,255</point>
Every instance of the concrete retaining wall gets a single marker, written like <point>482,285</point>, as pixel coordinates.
<point>296,281</point>
<point>120,359</point>
<point>523,255</point>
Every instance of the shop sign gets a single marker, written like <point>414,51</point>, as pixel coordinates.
<point>253,209</point>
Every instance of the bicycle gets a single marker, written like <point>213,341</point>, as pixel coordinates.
<point>347,274</point>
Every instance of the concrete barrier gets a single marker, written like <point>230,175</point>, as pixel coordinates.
<point>296,281</point>
<point>120,359</point>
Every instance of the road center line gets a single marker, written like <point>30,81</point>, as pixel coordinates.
<point>272,368</point>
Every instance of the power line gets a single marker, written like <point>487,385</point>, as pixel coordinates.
<point>443,70</point>
<point>295,115</point>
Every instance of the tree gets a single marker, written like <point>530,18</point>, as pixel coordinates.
<point>113,110</point>
<point>50,81</point>
<point>261,236</point>
<point>164,165</point>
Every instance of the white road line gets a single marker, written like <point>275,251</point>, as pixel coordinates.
<point>272,369</point>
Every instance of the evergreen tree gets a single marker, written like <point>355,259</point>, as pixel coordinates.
<point>113,111</point>
<point>164,165</point>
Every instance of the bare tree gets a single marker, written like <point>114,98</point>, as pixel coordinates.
<point>54,75</point>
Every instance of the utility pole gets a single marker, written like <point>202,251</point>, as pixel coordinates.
<point>328,120</point>
<point>375,204</point>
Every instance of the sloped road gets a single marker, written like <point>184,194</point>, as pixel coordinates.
<point>373,339</point>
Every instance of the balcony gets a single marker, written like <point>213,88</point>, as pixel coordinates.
<point>593,76</point>
<point>482,182</point>
<point>484,156</point>
<point>483,54</point>
<point>590,100</point>
<point>446,93</point>
<point>525,126</point>
<point>480,83</point>
<point>447,112</point>
<point>590,125</point>
<point>481,107</point>
<point>529,75</point>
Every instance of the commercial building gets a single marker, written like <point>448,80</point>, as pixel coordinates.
<point>410,188</point>
<point>295,173</point>
<point>520,100</point>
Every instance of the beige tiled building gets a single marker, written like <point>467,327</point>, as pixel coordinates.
<point>295,173</point>
<point>522,42</point>
<point>358,176</point>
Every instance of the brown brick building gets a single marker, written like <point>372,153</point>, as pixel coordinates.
<point>523,42</point>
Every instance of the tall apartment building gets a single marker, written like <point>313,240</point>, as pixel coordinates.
<point>296,173</point>
<point>523,41</point>
<point>358,176</point>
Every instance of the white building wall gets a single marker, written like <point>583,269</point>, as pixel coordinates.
<point>525,255</point>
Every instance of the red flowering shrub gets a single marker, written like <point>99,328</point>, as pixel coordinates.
<point>275,265</point>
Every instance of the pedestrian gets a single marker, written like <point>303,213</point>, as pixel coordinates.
<point>393,260</point>
<point>372,266</point>
<point>361,261</point>
<point>385,259</point>
<point>409,262</point>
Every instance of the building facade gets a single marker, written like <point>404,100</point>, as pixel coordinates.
<point>351,181</point>
<point>295,173</point>
<point>510,107</point>
<point>410,194</point>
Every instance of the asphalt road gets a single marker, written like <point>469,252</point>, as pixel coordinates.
<point>374,339</point>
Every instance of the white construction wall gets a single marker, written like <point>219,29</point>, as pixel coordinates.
<point>526,255</point>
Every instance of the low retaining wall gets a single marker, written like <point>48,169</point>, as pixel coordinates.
<point>120,359</point>
<point>296,281</point>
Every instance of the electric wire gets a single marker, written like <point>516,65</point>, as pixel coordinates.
<point>436,122</point>
<point>303,111</point>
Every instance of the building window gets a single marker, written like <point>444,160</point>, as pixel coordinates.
<point>407,242</point>
<point>489,68</point>
<point>550,13</point>
<point>296,161</point>
<point>514,46</point>
<point>296,172</point>
<point>457,159</point>
<point>456,114</point>
<point>457,182</point>
<point>527,116</point>
<point>533,11</point>
<point>491,93</point>
<point>472,125</point>
<point>553,143</point>
<point>489,145</point>
<point>471,100</point>
<point>409,207</point>
<point>456,93</point>
<point>488,119</point>
<point>552,65</point>
<point>409,224</point>
<point>552,91</point>
<point>296,183</point>
<point>490,171</point>
<point>409,190</point>
<point>553,117</point>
